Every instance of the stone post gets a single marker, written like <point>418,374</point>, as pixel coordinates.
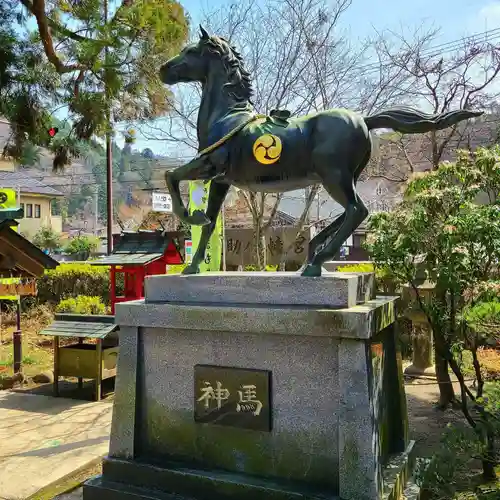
<point>422,341</point>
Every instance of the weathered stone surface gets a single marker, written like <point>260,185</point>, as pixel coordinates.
<point>303,444</point>
<point>10,382</point>
<point>124,405</point>
<point>44,378</point>
<point>290,289</point>
<point>361,322</point>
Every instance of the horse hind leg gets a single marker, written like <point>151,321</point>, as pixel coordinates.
<point>329,241</point>
<point>319,239</point>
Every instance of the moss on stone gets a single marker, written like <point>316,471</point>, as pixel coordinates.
<point>283,455</point>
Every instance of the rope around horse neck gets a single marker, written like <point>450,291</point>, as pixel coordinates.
<point>230,134</point>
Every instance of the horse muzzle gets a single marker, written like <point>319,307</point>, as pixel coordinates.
<point>171,74</point>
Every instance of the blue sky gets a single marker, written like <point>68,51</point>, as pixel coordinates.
<point>456,18</point>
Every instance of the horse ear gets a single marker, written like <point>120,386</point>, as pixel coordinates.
<point>203,33</point>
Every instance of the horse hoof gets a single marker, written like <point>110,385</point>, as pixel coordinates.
<point>311,270</point>
<point>198,218</point>
<point>191,269</point>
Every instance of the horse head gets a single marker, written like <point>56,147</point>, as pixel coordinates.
<point>210,56</point>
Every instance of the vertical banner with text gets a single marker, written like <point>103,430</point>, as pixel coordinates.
<point>8,199</point>
<point>198,199</point>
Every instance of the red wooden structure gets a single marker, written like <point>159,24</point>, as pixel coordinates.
<point>137,255</point>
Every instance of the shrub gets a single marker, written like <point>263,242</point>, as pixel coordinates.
<point>386,283</point>
<point>82,245</point>
<point>484,319</point>
<point>81,305</point>
<point>176,269</point>
<point>47,239</point>
<point>357,268</point>
<point>450,469</point>
<point>270,269</point>
<point>72,280</point>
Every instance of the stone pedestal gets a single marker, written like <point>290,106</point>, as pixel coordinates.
<point>257,386</point>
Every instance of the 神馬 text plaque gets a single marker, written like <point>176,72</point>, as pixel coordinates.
<point>235,397</point>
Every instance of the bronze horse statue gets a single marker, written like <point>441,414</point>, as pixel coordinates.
<point>274,153</point>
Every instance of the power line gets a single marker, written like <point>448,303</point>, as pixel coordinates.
<point>444,48</point>
<point>439,49</point>
<point>42,177</point>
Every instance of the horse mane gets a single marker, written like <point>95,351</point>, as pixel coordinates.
<point>239,83</point>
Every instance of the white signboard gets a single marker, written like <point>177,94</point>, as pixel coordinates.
<point>162,202</point>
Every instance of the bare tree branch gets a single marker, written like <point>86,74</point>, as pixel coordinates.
<point>461,76</point>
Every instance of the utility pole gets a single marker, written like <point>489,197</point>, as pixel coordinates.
<point>306,197</point>
<point>109,158</point>
<point>96,208</point>
<point>318,205</point>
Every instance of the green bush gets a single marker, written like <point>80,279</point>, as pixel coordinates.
<point>386,283</point>
<point>176,269</point>
<point>270,269</point>
<point>484,319</point>
<point>82,245</point>
<point>72,280</point>
<point>47,239</point>
<point>81,305</point>
<point>451,469</point>
<point>357,268</point>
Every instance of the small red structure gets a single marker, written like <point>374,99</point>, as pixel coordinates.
<point>137,255</point>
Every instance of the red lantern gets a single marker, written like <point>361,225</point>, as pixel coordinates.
<point>53,131</point>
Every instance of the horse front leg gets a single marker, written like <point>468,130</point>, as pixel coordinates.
<point>197,169</point>
<point>217,194</point>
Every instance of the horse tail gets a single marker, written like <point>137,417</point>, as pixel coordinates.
<point>411,121</point>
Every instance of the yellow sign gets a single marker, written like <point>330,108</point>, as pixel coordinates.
<point>12,287</point>
<point>8,198</point>
<point>267,149</point>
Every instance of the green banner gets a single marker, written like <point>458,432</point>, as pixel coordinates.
<point>8,199</point>
<point>198,198</point>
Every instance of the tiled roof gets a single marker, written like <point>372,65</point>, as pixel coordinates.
<point>26,183</point>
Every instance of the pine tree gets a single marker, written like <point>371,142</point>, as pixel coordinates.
<point>80,61</point>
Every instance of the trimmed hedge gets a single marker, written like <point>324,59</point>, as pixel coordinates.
<point>70,280</point>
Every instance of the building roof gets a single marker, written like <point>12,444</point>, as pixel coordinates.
<point>19,257</point>
<point>26,183</point>
<point>139,248</point>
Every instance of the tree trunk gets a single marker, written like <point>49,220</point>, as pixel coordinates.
<point>490,461</point>
<point>446,392</point>
<point>259,249</point>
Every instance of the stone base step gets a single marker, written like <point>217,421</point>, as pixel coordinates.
<point>129,478</point>
<point>100,489</point>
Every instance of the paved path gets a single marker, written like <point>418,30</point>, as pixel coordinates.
<point>44,439</point>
